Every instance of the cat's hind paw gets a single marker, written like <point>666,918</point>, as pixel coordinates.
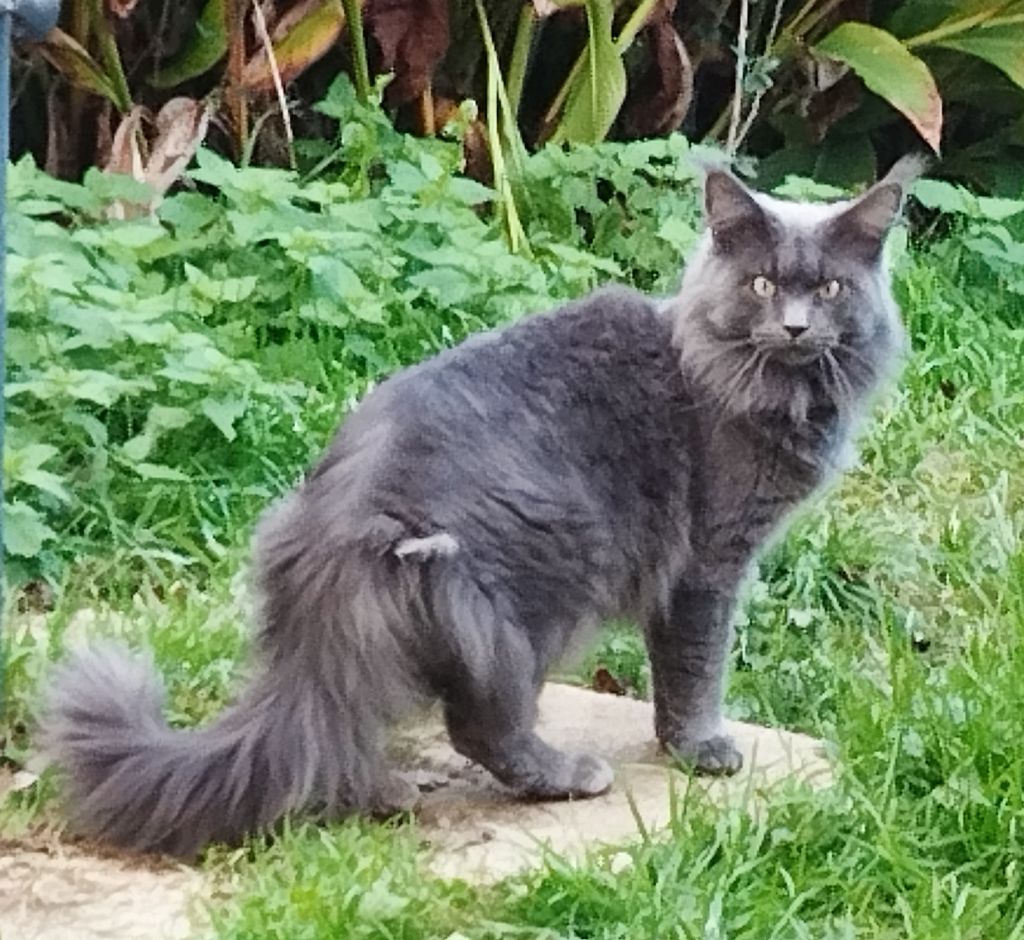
<point>716,756</point>
<point>593,776</point>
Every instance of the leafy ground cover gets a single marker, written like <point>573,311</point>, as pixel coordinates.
<point>169,377</point>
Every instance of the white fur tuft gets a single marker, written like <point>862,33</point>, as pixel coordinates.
<point>433,546</point>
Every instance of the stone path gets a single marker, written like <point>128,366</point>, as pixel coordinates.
<point>471,828</point>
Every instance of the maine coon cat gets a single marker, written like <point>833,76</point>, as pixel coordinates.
<point>616,457</point>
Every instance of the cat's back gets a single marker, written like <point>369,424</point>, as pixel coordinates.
<point>575,354</point>
<point>614,325</point>
<point>543,399</point>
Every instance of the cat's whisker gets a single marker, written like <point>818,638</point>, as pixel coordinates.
<point>843,387</point>
<point>855,356</point>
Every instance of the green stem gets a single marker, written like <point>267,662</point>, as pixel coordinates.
<point>634,24</point>
<point>625,39</point>
<point>354,15</point>
<point>517,239</point>
<point>520,56</point>
<point>985,20</point>
<point>741,71</point>
<point>110,55</point>
<point>793,29</point>
<point>815,18</point>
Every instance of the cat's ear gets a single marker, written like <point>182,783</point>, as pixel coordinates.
<point>731,212</point>
<point>861,228</point>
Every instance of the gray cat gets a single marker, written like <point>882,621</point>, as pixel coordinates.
<point>615,457</point>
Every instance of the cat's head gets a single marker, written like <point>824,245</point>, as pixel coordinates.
<point>786,306</point>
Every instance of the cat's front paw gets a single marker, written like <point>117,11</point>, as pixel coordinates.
<point>716,756</point>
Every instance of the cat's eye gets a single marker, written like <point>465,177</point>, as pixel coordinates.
<point>830,290</point>
<point>763,287</point>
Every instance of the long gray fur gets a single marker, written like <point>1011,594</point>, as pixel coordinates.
<point>615,457</point>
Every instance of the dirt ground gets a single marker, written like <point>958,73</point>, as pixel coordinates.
<point>55,891</point>
<point>50,890</point>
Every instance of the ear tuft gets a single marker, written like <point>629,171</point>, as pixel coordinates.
<point>730,210</point>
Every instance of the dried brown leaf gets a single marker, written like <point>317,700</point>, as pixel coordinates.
<point>413,35</point>
<point>300,38</point>
<point>289,19</point>
<point>545,8</point>
<point>69,57</point>
<point>827,107</point>
<point>660,97</point>
<point>125,155</point>
<point>476,152</point>
<point>121,8</point>
<point>181,127</point>
<point>604,681</point>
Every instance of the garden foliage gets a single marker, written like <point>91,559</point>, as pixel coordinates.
<point>831,88</point>
<point>158,367</point>
<point>170,374</point>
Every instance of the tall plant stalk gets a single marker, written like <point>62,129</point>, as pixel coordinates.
<point>238,107</point>
<point>361,71</point>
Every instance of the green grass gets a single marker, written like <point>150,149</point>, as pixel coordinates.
<point>890,621</point>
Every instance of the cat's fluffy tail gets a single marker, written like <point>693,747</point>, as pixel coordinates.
<point>133,781</point>
<point>305,735</point>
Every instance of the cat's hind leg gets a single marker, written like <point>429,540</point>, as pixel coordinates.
<point>496,730</point>
<point>490,705</point>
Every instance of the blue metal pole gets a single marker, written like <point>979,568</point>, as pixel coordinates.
<point>32,19</point>
<point>5,149</point>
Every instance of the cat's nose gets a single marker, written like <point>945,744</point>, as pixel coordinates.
<point>795,331</point>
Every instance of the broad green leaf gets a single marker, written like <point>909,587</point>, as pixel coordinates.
<point>47,482</point>
<point>679,233</point>
<point>135,234</point>
<point>339,279</point>
<point>159,420</point>
<point>25,181</point>
<point>600,88</point>
<point>323,310</point>
<point>452,287</point>
<point>27,457</point>
<point>917,20</point>
<point>585,260</point>
<point>469,192</point>
<point>370,311</point>
<point>224,412</point>
<point>302,45</point>
<point>204,48</point>
<point>138,447</point>
<point>25,533</point>
<point>891,71</point>
<point>69,57</point>
<point>101,388</point>
<point>1001,46</point>
<point>230,290</point>
<point>947,197</point>
<point>92,426</point>
<point>110,187</point>
<point>188,212</point>
<point>23,464</point>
